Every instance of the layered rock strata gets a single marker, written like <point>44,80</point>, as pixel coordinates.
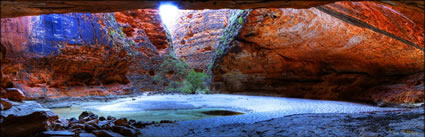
<point>81,54</point>
<point>308,53</point>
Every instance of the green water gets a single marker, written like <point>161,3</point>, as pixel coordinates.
<point>151,115</point>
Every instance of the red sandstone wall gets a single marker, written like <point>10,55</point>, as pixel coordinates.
<point>365,51</point>
<point>196,34</point>
<point>90,55</point>
<point>310,54</point>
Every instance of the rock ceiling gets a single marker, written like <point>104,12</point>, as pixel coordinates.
<point>36,7</point>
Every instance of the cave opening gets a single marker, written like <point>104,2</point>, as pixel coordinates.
<point>212,68</point>
<point>168,13</point>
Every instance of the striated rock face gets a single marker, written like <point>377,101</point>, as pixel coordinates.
<point>404,90</point>
<point>198,36</point>
<point>147,20</point>
<point>395,21</point>
<point>50,54</point>
<point>366,51</point>
<point>35,7</point>
<point>81,54</point>
<point>11,8</point>
<point>149,41</point>
<point>13,32</point>
<point>308,53</point>
<point>196,33</point>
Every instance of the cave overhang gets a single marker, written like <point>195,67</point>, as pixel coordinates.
<point>18,8</point>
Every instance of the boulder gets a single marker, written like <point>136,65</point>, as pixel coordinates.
<point>13,94</point>
<point>77,130</point>
<point>25,119</point>
<point>104,124</point>
<point>140,124</point>
<point>131,122</point>
<point>5,104</point>
<point>92,122</point>
<point>124,130</point>
<point>64,122</point>
<point>121,122</point>
<point>102,118</point>
<point>73,120</point>
<point>58,126</point>
<point>77,126</point>
<point>89,118</point>
<point>110,118</point>
<point>84,114</point>
<point>90,128</point>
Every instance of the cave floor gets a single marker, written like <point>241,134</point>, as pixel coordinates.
<point>396,123</point>
<point>269,116</point>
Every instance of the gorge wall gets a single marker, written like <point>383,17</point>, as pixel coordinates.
<point>80,54</point>
<point>357,51</point>
<point>198,35</point>
<point>308,53</point>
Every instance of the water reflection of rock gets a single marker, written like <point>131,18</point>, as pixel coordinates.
<point>222,113</point>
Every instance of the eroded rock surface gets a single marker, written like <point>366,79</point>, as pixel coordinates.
<point>149,39</point>
<point>13,94</point>
<point>27,8</point>
<point>5,104</point>
<point>396,123</point>
<point>310,54</point>
<point>82,54</point>
<point>340,51</point>
<point>50,54</point>
<point>395,20</point>
<point>196,33</point>
<point>25,119</point>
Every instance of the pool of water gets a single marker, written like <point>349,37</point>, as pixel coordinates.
<point>210,108</point>
<point>148,115</point>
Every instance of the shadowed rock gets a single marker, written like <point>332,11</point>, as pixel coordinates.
<point>222,113</point>
<point>13,94</point>
<point>5,104</point>
<point>25,119</point>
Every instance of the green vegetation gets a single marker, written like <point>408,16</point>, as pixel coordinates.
<point>180,77</point>
<point>219,51</point>
<point>111,32</point>
<point>240,20</point>
<point>118,37</point>
<point>231,27</point>
<point>210,66</point>
<point>122,33</point>
<point>171,65</point>
<point>194,83</point>
<point>112,17</point>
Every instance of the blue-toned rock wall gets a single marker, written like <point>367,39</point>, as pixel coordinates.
<point>51,32</point>
<point>80,54</point>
